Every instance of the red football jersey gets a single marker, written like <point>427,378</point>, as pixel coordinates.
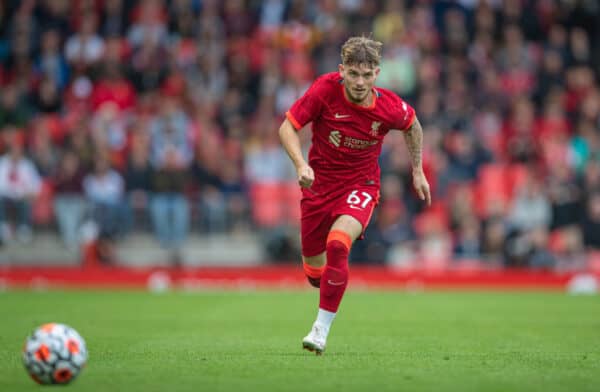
<point>347,138</point>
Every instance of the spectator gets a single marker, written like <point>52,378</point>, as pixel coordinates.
<point>113,88</point>
<point>540,256</point>
<point>54,15</point>
<point>236,196</point>
<point>467,244</point>
<point>139,176</point>
<point>69,203</point>
<point>493,240</point>
<point>43,152</point>
<point>170,207</point>
<point>591,222</point>
<point>114,18</point>
<point>50,63</point>
<point>20,183</point>
<point>149,64</point>
<point>565,195</point>
<point>466,157</point>
<point>48,99</point>
<point>519,143</point>
<point>104,189</point>
<point>85,48</point>
<point>108,128</point>
<point>398,71</point>
<point>528,221</point>
<point>14,108</point>
<point>213,204</point>
<point>169,134</point>
<point>531,208</point>
<point>149,24</point>
<point>80,142</point>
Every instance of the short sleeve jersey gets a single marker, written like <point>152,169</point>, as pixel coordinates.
<point>347,138</point>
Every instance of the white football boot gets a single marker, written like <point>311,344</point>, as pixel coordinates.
<point>315,340</point>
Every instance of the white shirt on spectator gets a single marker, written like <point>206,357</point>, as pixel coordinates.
<point>107,188</point>
<point>267,164</point>
<point>90,50</point>
<point>530,211</point>
<point>18,179</point>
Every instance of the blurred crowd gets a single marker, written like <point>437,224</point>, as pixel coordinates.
<point>119,116</point>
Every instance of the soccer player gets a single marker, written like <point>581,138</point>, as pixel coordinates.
<point>340,183</point>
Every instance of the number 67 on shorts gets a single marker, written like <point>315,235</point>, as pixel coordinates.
<point>319,212</point>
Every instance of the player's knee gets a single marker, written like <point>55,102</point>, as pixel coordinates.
<point>337,247</point>
<point>315,261</point>
<point>337,238</point>
<point>337,254</point>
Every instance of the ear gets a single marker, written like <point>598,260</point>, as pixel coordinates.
<point>377,69</point>
<point>341,70</point>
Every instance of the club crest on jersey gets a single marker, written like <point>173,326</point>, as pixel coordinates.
<point>375,128</point>
<point>335,138</point>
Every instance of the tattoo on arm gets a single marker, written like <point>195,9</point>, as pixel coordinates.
<point>414,142</point>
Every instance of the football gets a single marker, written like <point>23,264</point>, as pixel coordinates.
<point>54,354</point>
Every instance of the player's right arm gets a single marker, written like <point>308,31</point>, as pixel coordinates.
<point>291,143</point>
<point>304,110</point>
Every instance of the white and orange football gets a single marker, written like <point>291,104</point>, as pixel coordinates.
<point>54,354</point>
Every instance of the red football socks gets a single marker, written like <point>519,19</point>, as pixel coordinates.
<point>335,276</point>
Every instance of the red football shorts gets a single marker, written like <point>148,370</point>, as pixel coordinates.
<point>319,212</point>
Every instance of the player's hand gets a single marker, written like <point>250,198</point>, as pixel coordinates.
<point>306,176</point>
<point>421,186</point>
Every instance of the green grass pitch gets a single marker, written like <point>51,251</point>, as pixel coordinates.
<point>251,341</point>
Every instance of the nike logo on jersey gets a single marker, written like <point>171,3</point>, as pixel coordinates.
<point>337,115</point>
<point>335,283</point>
<point>355,207</point>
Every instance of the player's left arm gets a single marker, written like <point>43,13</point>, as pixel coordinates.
<point>413,137</point>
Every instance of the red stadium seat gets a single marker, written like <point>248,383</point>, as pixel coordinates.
<point>593,261</point>
<point>432,220</point>
<point>275,203</point>
<point>267,204</point>
<point>515,176</point>
<point>291,200</point>
<point>491,188</point>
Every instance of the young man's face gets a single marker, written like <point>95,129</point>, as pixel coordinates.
<point>358,81</point>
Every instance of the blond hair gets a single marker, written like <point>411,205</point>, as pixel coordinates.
<point>361,50</point>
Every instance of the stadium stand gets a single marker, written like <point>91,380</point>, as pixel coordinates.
<point>143,114</point>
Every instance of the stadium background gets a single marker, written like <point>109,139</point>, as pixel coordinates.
<point>152,126</point>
